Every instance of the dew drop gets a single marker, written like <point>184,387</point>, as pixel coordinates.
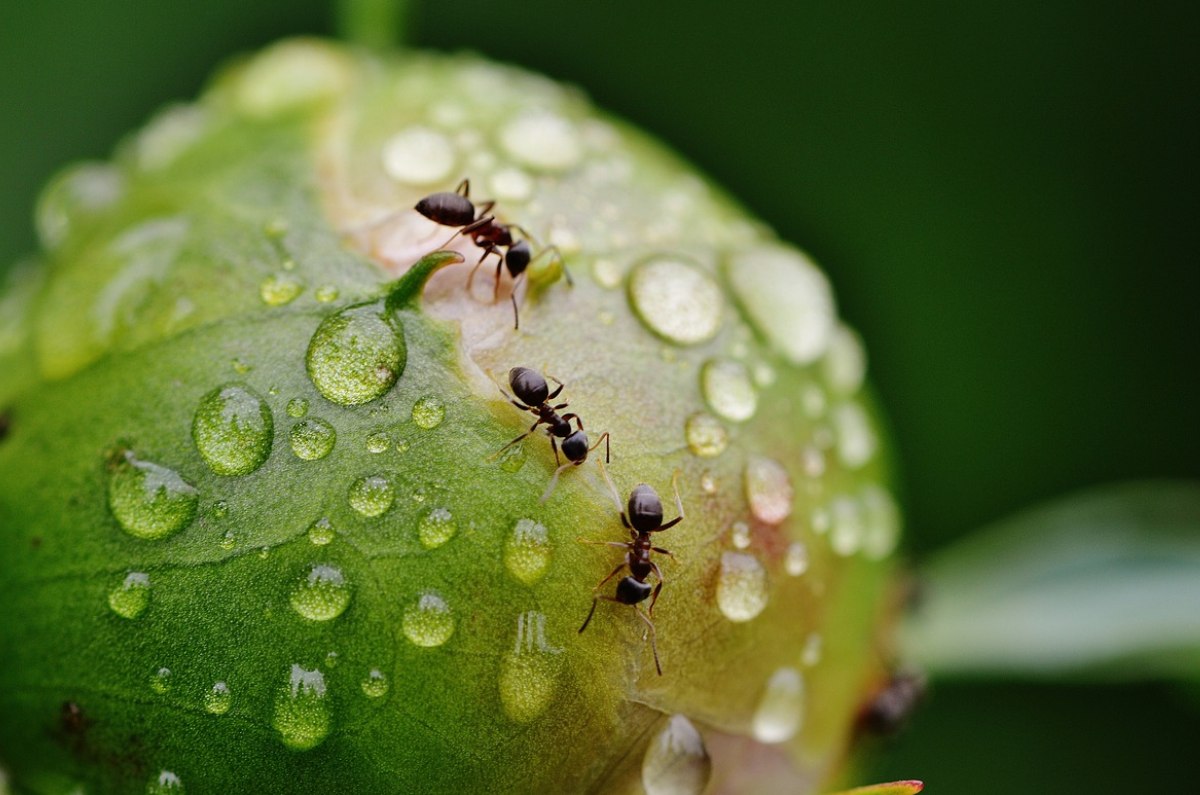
<point>428,622</point>
<point>356,355</point>
<point>542,140</point>
<point>418,156</point>
<point>228,541</point>
<point>322,595</point>
<point>846,532</point>
<point>676,761</point>
<point>819,520</point>
<point>607,272</point>
<point>795,560</point>
<point>529,673</point>
<point>787,298</point>
<point>326,293</point>
<point>297,407</point>
<point>741,586</point>
<point>372,496</point>
<point>527,553</point>
<point>428,412</point>
<point>321,532</point>
<point>813,400</point>
<point>676,300</point>
<point>780,710</point>
<point>218,699</point>
<point>150,501</point>
<point>812,460</point>
<point>882,520</point>
<point>512,459</point>
<point>301,711</point>
<point>706,436</point>
<point>78,194</point>
<point>220,509</point>
<point>279,289</point>
<point>375,684</point>
<point>436,528</point>
<point>233,430</point>
<point>378,442</point>
<point>160,681</point>
<point>132,596</point>
<point>768,489</point>
<point>855,440</point>
<point>708,483</point>
<point>727,389</point>
<point>165,783</point>
<point>739,534</point>
<point>312,439</point>
<point>511,185</point>
<point>845,363</point>
<point>810,655</point>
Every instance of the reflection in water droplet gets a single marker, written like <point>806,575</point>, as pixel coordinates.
<point>160,681</point>
<point>739,534</point>
<point>882,519</point>
<point>356,355</point>
<point>846,534</point>
<point>780,709</point>
<point>218,699</point>
<point>233,430</point>
<point>529,673</point>
<point>855,440</point>
<point>676,761</point>
<point>706,436</point>
<point>279,289</point>
<point>322,595</point>
<point>527,553</point>
<point>149,501</point>
<point>372,496</point>
<point>741,586</point>
<point>301,711</point>
<point>312,439</point>
<point>787,298</point>
<point>436,528</point>
<point>297,407</point>
<point>375,685</point>
<point>321,532</point>
<point>130,598</point>
<point>795,562</point>
<point>845,363</point>
<point>727,389</point>
<point>428,621</point>
<point>768,489</point>
<point>418,156</point>
<point>165,783</point>
<point>378,442</point>
<point>428,412</point>
<point>676,300</point>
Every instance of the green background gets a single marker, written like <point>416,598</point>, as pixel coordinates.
<point>1004,194</point>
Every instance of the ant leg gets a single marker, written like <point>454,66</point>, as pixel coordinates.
<point>621,544</point>
<point>554,481</point>
<point>569,417</point>
<point>558,256</point>
<point>464,189</point>
<point>666,552</point>
<point>607,450</point>
<point>512,297</point>
<point>486,207</point>
<point>613,573</point>
<point>678,505</point>
<point>616,498</point>
<point>478,265</point>
<point>598,597</point>
<point>554,447</point>
<point>657,588</point>
<point>554,394</point>
<point>532,428</point>
<point>653,642</point>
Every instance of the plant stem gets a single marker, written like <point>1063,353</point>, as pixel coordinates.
<point>374,23</point>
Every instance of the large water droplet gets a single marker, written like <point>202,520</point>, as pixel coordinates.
<point>161,680</point>
<point>780,709</point>
<point>787,298</point>
<point>322,595</point>
<point>741,586</point>
<point>357,354</point>
<point>436,528</point>
<point>856,442</point>
<point>542,140</point>
<point>149,501</point>
<point>529,673</point>
<point>233,430</point>
<point>428,412</point>
<point>312,439</point>
<point>372,495</point>
<point>218,699</point>
<point>527,553</point>
<point>165,783</point>
<point>279,289</point>
<point>132,596</point>
<point>676,761</point>
<point>418,156</point>
<point>301,710</point>
<point>375,684</point>
<point>676,300</point>
<point>706,436</point>
<point>428,621</point>
<point>727,389</point>
<point>321,532</point>
<point>768,489</point>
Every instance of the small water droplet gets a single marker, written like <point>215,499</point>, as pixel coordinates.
<point>233,430</point>
<point>132,596</point>
<point>764,375</point>
<point>812,460</point>
<point>512,459</point>
<point>607,272</point>
<point>741,586</point>
<point>780,710</point>
<point>327,293</point>
<point>301,711</point>
<point>428,621</point>
<point>819,520</point>
<point>356,355</point>
<point>312,439</point>
<point>882,519</point>
<point>810,655</point>
<point>511,185</point>
<point>768,489</point>
<point>220,509</point>
<point>856,442</point>
<point>428,412</point>
<point>845,363</point>
<point>795,561</point>
<point>240,367</point>
<point>218,699</point>
<point>739,534</point>
<point>321,532</point>
<point>165,783</point>
<point>727,389</point>
<point>418,156</point>
<point>372,496</point>
<point>676,300</point>
<point>160,681</point>
<point>787,298</point>
<point>706,436</point>
<point>529,673</point>
<point>676,761</point>
<point>378,442</point>
<point>708,483</point>
<point>375,684</point>
<point>331,659</point>
<point>812,398</point>
<point>846,533</point>
<point>149,501</point>
<point>297,407</point>
<point>527,553</point>
<point>228,540</point>
<point>541,139</point>
<point>322,595</point>
<point>436,528</point>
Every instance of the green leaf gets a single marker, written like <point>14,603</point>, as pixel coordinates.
<point>1104,583</point>
<point>891,788</point>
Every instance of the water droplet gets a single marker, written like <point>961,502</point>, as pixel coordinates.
<point>882,519</point>
<point>326,293</point>
<point>160,681</point>
<point>511,185</point>
<point>165,783</point>
<point>233,430</point>
<point>297,407</point>
<point>322,595</point>
<point>375,684</point>
<point>676,761</point>
<point>240,367</point>
<point>150,501</point>
<point>418,156</point>
<point>727,389</point>
<point>741,586</point>
<point>321,532</point>
<point>739,534</point>
<point>768,489</point>
<point>527,553</point>
<point>706,436</point>
<point>855,440</point>
<point>428,622</point>
<point>812,398</point>
<point>78,194</point>
<point>132,596</point>
<point>542,140</point>
<point>529,673</point>
<point>676,300</point>
<point>372,496</point>
<point>607,272</point>
<point>301,711</point>
<point>810,655</point>
<point>356,355</point>
<point>764,375</point>
<point>378,442</point>
<point>845,363</point>
<point>218,699</point>
<point>819,520</point>
<point>279,289</point>
<point>428,412</point>
<point>795,561</point>
<point>331,659</point>
<point>312,439</point>
<point>436,528</point>
<point>512,459</point>
<point>846,533</point>
<point>288,76</point>
<point>787,298</point>
<point>812,460</point>
<point>780,710</point>
<point>220,509</point>
<point>708,483</point>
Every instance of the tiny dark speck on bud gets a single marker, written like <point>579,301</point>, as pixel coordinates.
<point>5,424</point>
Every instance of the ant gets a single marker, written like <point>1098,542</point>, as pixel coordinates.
<point>644,515</point>
<point>888,710</point>
<point>534,395</point>
<point>456,210</point>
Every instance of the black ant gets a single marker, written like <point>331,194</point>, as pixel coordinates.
<point>477,223</point>
<point>643,516</point>
<point>534,395</point>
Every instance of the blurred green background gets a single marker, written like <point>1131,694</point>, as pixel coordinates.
<point>1003,193</point>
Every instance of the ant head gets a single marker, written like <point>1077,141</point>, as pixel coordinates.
<point>529,386</point>
<point>575,447</point>
<point>645,509</point>
<point>447,209</point>
<point>518,257</point>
